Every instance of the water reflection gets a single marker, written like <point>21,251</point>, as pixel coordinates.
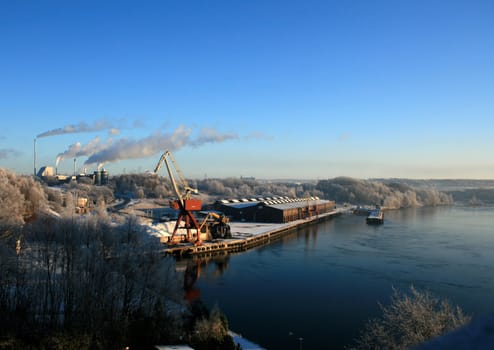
<point>194,267</point>
<point>324,281</point>
<point>310,238</point>
<point>214,265</point>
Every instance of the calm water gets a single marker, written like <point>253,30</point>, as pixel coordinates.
<point>322,283</point>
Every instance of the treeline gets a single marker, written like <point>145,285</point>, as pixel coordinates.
<point>245,188</point>
<point>388,194</point>
<point>84,283</point>
<point>89,282</point>
<point>153,186</point>
<point>474,196</point>
<point>25,198</point>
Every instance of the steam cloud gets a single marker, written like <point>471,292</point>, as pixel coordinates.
<point>209,135</point>
<point>132,149</point>
<point>81,128</point>
<point>77,150</point>
<point>115,150</point>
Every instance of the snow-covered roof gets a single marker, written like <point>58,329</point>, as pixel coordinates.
<point>242,205</point>
<point>296,204</point>
<point>277,202</point>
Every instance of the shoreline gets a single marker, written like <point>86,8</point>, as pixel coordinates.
<point>248,235</point>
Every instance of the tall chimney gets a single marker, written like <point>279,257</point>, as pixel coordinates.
<point>34,156</point>
<point>74,165</point>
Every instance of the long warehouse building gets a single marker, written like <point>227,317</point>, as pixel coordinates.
<point>273,209</point>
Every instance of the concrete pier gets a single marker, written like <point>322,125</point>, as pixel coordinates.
<point>248,235</point>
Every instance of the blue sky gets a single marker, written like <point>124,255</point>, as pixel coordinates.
<point>270,89</point>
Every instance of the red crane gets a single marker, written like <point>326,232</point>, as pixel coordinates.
<point>184,203</point>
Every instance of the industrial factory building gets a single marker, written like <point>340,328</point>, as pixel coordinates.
<point>51,176</point>
<point>273,209</point>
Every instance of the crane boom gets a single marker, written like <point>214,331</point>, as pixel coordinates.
<point>184,203</point>
<point>187,190</point>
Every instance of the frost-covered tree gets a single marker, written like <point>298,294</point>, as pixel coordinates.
<point>211,332</point>
<point>21,198</point>
<point>390,194</point>
<point>410,319</point>
<point>89,277</point>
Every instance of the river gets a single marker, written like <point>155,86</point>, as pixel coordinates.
<point>316,287</point>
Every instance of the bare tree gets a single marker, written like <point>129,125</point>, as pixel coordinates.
<point>89,276</point>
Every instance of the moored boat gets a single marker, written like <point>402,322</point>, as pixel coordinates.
<point>376,216</point>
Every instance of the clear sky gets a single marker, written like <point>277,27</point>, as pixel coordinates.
<point>270,89</point>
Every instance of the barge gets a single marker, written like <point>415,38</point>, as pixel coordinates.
<point>375,217</point>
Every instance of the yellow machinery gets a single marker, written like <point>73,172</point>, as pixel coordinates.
<point>216,225</point>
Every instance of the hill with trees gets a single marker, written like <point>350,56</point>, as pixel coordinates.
<point>390,194</point>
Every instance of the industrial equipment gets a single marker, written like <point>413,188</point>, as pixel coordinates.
<point>184,203</point>
<point>216,225</point>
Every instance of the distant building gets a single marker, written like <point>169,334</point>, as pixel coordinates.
<point>273,209</point>
<point>248,178</point>
<point>46,171</point>
<point>101,177</point>
<point>49,175</point>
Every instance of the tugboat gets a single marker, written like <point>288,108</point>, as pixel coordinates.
<point>375,217</point>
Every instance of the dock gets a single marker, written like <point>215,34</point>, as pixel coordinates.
<point>247,235</point>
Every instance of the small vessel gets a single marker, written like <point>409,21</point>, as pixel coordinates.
<point>376,216</point>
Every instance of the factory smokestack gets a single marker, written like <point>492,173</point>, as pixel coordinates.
<point>75,160</point>
<point>34,156</point>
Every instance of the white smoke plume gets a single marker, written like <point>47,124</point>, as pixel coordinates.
<point>114,150</point>
<point>148,146</point>
<point>81,128</point>
<point>78,150</point>
<point>209,135</point>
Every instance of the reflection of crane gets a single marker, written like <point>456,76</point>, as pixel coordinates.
<point>184,203</point>
<point>193,272</point>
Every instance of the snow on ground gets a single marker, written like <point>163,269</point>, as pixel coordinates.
<point>249,229</point>
<point>162,230</point>
<point>239,230</point>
